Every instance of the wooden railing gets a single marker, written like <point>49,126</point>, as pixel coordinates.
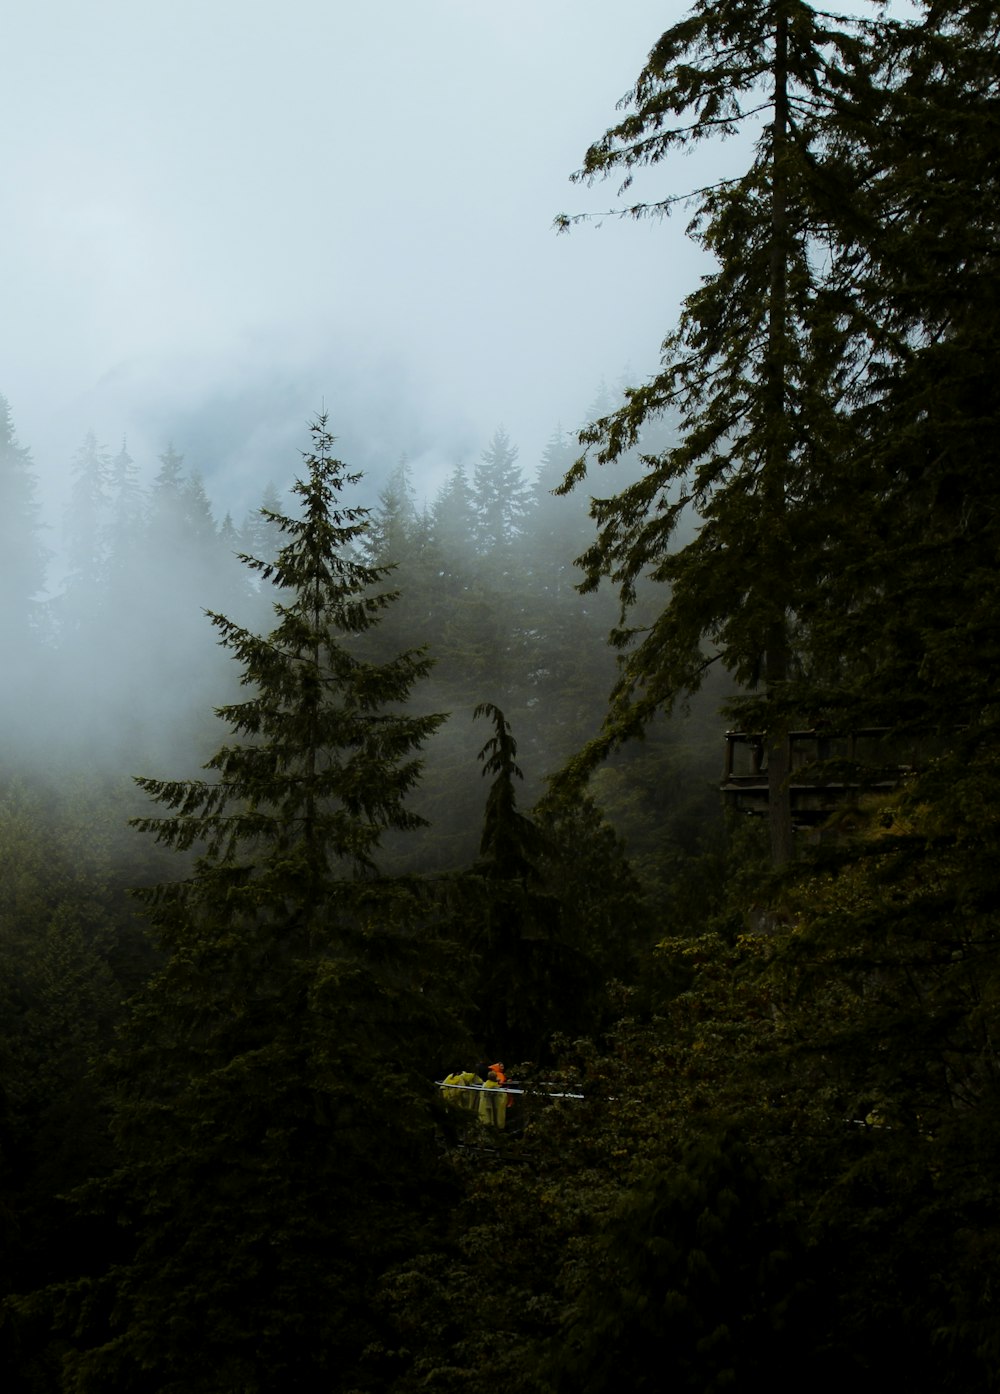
<point>826,770</point>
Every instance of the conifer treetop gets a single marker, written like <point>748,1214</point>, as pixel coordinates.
<point>323,757</point>
<point>759,371</point>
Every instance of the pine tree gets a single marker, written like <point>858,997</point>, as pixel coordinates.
<point>452,516</point>
<point>85,529</point>
<point>127,510</point>
<point>756,371</point>
<point>470,584</point>
<point>559,530</point>
<point>176,669</point>
<point>25,627</point>
<point>501,498</point>
<point>85,620</point>
<point>915,600</point>
<point>454,584</point>
<point>275,1123</point>
<point>348,762</point>
<point>890,981</point>
<point>536,975</point>
<point>23,574</point>
<point>394,522</point>
<point>262,538</point>
<point>125,545</point>
<point>396,540</point>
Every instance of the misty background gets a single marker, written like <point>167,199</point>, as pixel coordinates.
<point>219,217</point>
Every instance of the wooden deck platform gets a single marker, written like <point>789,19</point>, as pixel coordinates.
<point>827,771</point>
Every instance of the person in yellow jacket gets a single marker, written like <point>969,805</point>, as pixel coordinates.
<point>462,1095</point>
<point>493,1099</point>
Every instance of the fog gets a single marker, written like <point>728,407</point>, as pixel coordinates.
<point>218,217</point>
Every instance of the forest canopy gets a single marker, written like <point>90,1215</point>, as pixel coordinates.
<point>400,833</point>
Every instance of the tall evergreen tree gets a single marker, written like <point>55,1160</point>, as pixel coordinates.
<point>396,539</point>
<point>924,546</point>
<point>536,974</point>
<point>560,531</point>
<point>757,369</point>
<point>23,572</point>
<point>261,537</point>
<point>86,625</point>
<point>23,615</point>
<point>394,522</point>
<point>452,514</point>
<point>275,1127</point>
<point>501,498</point>
<point>127,511</point>
<point>176,669</point>
<point>85,527</point>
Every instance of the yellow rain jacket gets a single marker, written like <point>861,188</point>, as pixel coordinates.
<point>462,1097</point>
<point>492,1104</point>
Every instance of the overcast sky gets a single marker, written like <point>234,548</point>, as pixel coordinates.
<point>219,214</point>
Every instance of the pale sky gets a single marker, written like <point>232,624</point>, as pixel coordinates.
<point>218,216</point>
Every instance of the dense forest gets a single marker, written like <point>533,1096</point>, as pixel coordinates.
<point>302,814</point>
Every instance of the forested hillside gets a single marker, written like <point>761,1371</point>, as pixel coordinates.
<point>301,814</point>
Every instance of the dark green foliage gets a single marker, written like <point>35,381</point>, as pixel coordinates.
<point>545,917</point>
<point>510,841</point>
<point>607,911</point>
<point>515,918</point>
<point>888,993</point>
<point>784,1170</point>
<point>756,371</point>
<point>641,1243</point>
<point>691,1285</point>
<point>326,760</point>
<point>284,1158</point>
<point>912,602</point>
<point>70,951</point>
<point>506,621</point>
<point>275,1125</point>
